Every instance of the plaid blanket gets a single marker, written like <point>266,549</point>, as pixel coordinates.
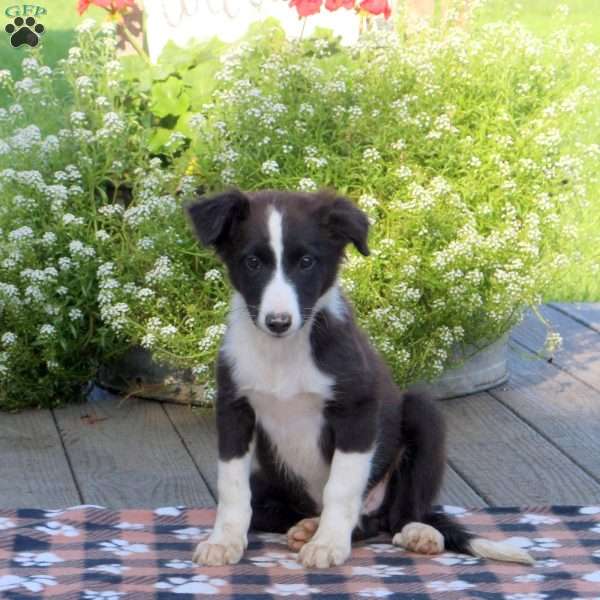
<point>89,552</point>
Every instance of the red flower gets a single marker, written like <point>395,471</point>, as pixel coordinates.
<point>306,8</point>
<point>335,4</point>
<point>111,5</point>
<point>122,4</point>
<point>377,7</point>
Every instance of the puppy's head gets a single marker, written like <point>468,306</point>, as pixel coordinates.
<point>282,249</point>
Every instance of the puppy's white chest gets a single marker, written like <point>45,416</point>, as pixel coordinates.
<point>294,429</point>
<point>287,392</point>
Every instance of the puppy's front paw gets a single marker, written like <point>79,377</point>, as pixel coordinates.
<point>421,538</point>
<point>323,554</point>
<point>216,555</point>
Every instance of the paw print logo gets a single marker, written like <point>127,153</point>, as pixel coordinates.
<point>24,31</point>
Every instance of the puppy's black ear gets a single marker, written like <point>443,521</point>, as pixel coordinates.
<point>348,223</point>
<point>214,217</point>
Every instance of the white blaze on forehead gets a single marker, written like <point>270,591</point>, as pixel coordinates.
<point>279,295</point>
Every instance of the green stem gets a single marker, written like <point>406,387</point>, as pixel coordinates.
<point>133,41</point>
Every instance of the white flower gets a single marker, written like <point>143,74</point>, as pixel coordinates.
<point>47,330</point>
<point>86,26</point>
<point>371,155</point>
<point>145,243</point>
<point>78,118</point>
<point>8,339</point>
<point>162,269</point>
<point>306,184</point>
<point>213,275</point>
<point>168,331</point>
<point>20,234</point>
<point>75,314</point>
<point>70,219</point>
<point>270,167</point>
<point>80,250</point>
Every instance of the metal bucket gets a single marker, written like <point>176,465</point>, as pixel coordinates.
<point>482,370</point>
<point>136,373</point>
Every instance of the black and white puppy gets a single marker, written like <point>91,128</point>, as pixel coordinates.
<point>315,439</point>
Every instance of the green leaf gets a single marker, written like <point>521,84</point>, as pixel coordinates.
<point>159,138</point>
<point>168,98</point>
<point>200,82</point>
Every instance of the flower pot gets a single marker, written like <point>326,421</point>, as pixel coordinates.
<point>481,370</point>
<point>136,373</point>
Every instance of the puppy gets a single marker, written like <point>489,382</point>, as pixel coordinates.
<point>315,439</point>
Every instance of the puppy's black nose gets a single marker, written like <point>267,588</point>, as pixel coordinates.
<point>278,322</point>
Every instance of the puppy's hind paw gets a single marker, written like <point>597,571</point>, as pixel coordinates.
<point>301,533</point>
<point>421,538</point>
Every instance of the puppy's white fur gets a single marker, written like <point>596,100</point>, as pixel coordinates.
<point>286,390</point>
<point>229,536</point>
<point>279,296</point>
<point>342,499</point>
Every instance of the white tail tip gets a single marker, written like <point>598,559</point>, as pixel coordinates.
<point>499,551</point>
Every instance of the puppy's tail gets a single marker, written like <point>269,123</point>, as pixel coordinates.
<point>458,539</point>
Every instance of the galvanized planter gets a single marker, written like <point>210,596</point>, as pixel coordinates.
<point>484,369</point>
<point>137,374</point>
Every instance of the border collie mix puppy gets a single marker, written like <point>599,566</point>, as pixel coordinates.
<point>315,439</point>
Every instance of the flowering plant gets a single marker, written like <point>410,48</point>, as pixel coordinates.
<point>90,225</point>
<point>460,144</point>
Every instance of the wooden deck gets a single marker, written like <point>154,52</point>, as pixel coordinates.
<point>535,440</point>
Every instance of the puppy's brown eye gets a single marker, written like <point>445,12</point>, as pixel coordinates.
<point>307,262</point>
<point>252,263</point>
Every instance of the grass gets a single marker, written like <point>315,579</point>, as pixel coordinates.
<point>580,283</point>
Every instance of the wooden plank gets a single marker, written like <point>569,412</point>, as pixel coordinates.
<point>34,471</point>
<point>586,313</point>
<point>507,461</point>
<point>557,405</point>
<point>126,453</point>
<point>457,492</point>
<point>198,430</point>
<point>580,352</point>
